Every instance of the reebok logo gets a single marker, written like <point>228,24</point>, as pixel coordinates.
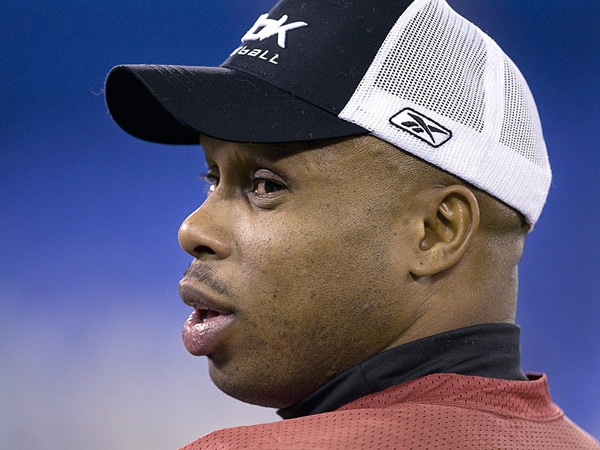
<point>421,126</point>
<point>265,28</point>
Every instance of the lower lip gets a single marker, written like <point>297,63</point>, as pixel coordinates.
<point>202,337</point>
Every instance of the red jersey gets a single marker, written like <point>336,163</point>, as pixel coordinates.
<point>439,411</point>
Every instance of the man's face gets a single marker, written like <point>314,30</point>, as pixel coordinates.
<point>299,266</point>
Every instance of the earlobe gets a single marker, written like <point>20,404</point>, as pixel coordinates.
<point>450,222</point>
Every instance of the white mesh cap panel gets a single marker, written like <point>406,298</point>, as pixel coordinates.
<point>443,90</point>
<point>521,129</point>
<point>439,60</point>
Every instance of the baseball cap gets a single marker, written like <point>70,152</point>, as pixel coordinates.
<point>411,72</point>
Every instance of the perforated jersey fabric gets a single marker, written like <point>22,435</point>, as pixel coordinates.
<point>439,411</point>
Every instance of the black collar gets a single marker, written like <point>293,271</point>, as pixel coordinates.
<point>490,350</point>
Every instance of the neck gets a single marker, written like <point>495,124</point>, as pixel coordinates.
<point>462,299</point>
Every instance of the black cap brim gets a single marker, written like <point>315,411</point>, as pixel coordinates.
<point>175,104</point>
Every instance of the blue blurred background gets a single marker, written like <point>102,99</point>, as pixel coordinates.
<point>90,319</point>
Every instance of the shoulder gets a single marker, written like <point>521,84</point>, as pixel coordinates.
<point>351,429</point>
<point>448,411</point>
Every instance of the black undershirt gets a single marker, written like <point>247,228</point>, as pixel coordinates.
<point>490,350</point>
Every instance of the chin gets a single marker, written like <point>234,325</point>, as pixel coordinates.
<point>256,389</point>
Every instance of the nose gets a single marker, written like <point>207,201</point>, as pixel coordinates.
<point>200,236</point>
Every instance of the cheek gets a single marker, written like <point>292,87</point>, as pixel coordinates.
<point>287,259</point>
<point>315,276</point>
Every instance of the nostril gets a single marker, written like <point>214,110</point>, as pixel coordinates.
<point>203,249</point>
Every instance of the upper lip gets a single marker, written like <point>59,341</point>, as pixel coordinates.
<point>193,295</point>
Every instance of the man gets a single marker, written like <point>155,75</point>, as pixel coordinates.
<point>375,168</point>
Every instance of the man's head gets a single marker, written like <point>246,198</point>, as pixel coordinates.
<point>322,255</point>
<point>363,157</point>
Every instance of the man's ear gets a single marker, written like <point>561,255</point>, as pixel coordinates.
<point>450,220</point>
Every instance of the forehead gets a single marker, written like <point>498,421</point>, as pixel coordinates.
<point>271,150</point>
<point>345,155</point>
<point>216,150</point>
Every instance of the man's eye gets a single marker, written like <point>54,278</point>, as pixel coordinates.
<point>265,187</point>
<point>212,180</point>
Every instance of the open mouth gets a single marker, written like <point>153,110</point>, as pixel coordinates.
<point>204,315</point>
<point>205,328</point>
